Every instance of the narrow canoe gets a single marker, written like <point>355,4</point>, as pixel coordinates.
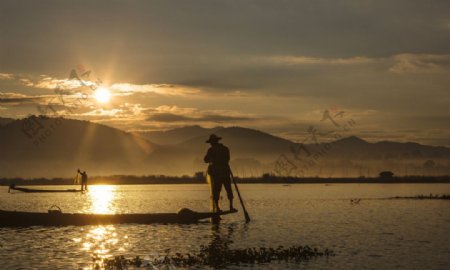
<point>30,190</point>
<point>26,219</point>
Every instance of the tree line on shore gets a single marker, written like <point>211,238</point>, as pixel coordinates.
<point>199,178</point>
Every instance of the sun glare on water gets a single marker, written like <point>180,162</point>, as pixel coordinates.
<point>103,240</point>
<point>102,95</point>
<point>102,199</point>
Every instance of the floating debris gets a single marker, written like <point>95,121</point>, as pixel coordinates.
<point>355,201</point>
<point>219,256</point>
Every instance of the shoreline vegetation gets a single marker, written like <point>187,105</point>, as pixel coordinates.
<point>200,179</point>
<point>416,197</point>
<point>423,197</point>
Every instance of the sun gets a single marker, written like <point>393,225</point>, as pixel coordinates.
<point>102,95</point>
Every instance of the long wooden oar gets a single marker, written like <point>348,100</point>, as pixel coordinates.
<point>247,216</point>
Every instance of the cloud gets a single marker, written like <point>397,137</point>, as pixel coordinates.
<point>126,110</point>
<point>104,112</point>
<point>215,118</point>
<point>20,79</point>
<point>26,82</point>
<point>420,63</point>
<point>171,114</point>
<point>398,63</point>
<point>47,82</point>
<point>169,117</point>
<point>17,99</point>
<point>6,76</point>
<point>307,60</point>
<point>161,89</point>
<point>67,105</point>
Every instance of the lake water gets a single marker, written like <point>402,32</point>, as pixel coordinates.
<point>373,234</point>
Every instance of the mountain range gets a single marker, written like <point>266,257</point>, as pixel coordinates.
<point>4,121</point>
<point>56,147</point>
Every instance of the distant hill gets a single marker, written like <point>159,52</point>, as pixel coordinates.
<point>59,149</point>
<point>244,143</point>
<point>254,153</point>
<point>177,135</point>
<point>356,148</point>
<point>4,121</point>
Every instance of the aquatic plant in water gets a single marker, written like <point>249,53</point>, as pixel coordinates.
<point>220,256</point>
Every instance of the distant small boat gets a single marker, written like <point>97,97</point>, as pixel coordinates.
<point>31,190</point>
<point>57,218</point>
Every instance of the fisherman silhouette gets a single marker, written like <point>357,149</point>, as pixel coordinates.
<point>84,179</point>
<point>218,156</point>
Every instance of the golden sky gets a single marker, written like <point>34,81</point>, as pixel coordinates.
<point>271,65</point>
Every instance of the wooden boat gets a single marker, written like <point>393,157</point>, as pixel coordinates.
<point>31,190</point>
<point>57,218</point>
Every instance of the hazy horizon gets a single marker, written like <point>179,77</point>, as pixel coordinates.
<point>53,147</point>
<point>218,126</point>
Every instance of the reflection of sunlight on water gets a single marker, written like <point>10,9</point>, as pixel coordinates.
<point>101,198</point>
<point>101,242</point>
